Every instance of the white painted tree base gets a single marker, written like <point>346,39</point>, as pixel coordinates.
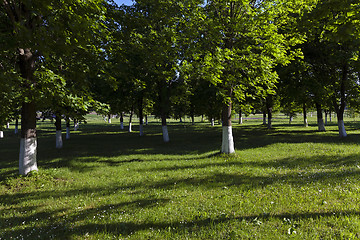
<point>227,140</point>
<point>76,126</point>
<point>241,120</point>
<point>321,126</point>
<point>27,156</point>
<point>7,125</point>
<point>306,124</point>
<point>212,122</point>
<point>1,134</point>
<point>59,142</point>
<point>67,133</point>
<point>122,126</point>
<point>141,129</point>
<point>130,127</point>
<point>165,134</point>
<point>342,131</point>
<point>109,120</point>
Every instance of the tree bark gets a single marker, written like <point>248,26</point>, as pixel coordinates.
<point>130,118</point>
<point>320,120</point>
<point>269,111</point>
<point>264,117</point>
<point>28,141</point>
<point>121,121</point>
<point>240,117</point>
<point>141,117</point>
<point>59,142</point>
<point>16,126</point>
<point>227,136</point>
<point>67,128</point>
<point>305,116</point>
<point>340,109</point>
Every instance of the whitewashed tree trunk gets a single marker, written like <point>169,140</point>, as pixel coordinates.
<point>27,156</point>
<point>306,124</point>
<point>227,140</point>
<point>165,134</point>
<point>141,129</point>
<point>342,131</point>
<point>122,125</point>
<point>291,119</point>
<point>7,125</point>
<point>130,127</point>
<point>326,121</point>
<point>321,125</point>
<point>212,122</point>
<point>67,133</point>
<point>59,142</point>
<point>264,118</point>
<point>1,134</point>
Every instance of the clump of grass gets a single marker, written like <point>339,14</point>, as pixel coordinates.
<point>290,182</point>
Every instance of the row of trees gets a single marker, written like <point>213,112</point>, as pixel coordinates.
<point>188,57</point>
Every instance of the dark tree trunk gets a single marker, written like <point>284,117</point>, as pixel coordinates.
<point>320,120</point>
<point>240,117</point>
<point>28,142</point>
<point>16,126</point>
<point>269,106</point>
<point>340,108</point>
<point>59,143</point>
<point>121,121</point>
<point>67,128</point>
<point>264,117</point>
<point>305,116</point>
<point>141,116</point>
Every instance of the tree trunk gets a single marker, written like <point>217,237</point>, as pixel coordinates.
<point>320,121</point>
<point>227,136</point>
<point>130,119</point>
<point>240,117</point>
<point>141,117</point>
<point>76,125</point>
<point>269,111</point>
<point>291,118</point>
<point>16,126</point>
<point>7,125</point>
<point>192,119</point>
<point>67,128</point>
<point>164,129</point>
<point>1,134</point>
<point>330,117</point>
<point>212,122</point>
<point>28,141</point>
<point>146,119</point>
<point>326,115</point>
<point>264,118</point>
<point>340,109</point>
<point>305,116</point>
<point>121,121</point>
<point>59,142</point>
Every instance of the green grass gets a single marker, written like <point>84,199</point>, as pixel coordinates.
<point>287,183</point>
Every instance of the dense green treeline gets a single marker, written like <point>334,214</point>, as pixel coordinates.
<point>176,59</point>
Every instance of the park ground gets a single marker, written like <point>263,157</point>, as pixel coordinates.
<point>290,182</point>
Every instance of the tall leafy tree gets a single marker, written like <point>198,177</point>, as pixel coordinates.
<point>43,34</point>
<point>245,41</point>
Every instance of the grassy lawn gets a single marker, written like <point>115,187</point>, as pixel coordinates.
<point>287,183</point>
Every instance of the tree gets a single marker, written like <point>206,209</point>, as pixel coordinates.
<point>244,46</point>
<point>42,34</point>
